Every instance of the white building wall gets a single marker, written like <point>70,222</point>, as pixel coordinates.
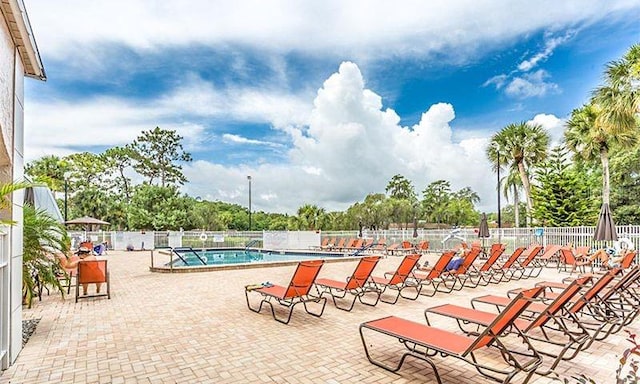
<point>16,239</point>
<point>7,267</point>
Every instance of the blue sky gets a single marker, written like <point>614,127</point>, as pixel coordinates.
<point>320,102</point>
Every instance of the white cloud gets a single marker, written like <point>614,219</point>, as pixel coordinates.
<point>110,121</point>
<point>352,147</point>
<point>531,85</point>
<point>79,28</point>
<point>243,140</point>
<point>550,44</point>
<point>554,125</point>
<point>498,81</point>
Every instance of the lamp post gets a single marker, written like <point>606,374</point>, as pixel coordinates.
<point>249,178</point>
<point>499,217</point>
<point>66,191</point>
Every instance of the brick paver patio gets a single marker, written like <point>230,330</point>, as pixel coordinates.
<point>195,328</point>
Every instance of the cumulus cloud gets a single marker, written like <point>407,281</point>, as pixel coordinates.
<point>351,147</point>
<point>553,124</point>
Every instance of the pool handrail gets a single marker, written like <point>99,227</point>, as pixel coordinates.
<point>249,244</point>
<point>363,248</point>
<point>189,249</point>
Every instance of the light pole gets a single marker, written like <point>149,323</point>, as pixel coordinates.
<point>66,191</point>
<point>499,217</point>
<point>249,178</point>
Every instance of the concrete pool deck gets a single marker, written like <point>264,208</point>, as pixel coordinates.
<point>196,328</point>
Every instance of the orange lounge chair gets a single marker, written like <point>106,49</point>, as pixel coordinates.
<point>504,271</point>
<point>393,248</point>
<point>356,245</point>
<point>522,266</point>
<point>550,254</point>
<point>484,274</point>
<point>425,342</point>
<point>295,293</point>
<point>356,284</point>
<point>567,258</point>
<point>90,272</point>
<point>398,280</point>
<point>433,278</point>
<point>585,308</point>
<point>461,274</point>
<point>566,340</point>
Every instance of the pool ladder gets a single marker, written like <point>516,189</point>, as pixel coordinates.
<point>362,249</point>
<point>188,250</point>
<point>249,244</point>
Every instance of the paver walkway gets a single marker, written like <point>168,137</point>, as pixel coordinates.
<point>195,328</point>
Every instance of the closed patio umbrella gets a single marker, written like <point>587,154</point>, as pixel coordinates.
<point>606,228</point>
<point>483,230</point>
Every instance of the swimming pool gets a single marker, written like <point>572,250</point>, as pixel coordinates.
<point>189,259</point>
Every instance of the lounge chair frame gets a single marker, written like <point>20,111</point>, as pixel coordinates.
<point>572,339</point>
<point>399,281</point>
<point>356,285</point>
<point>90,272</point>
<point>425,342</point>
<point>297,292</point>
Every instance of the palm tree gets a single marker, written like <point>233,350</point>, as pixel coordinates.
<point>512,183</point>
<point>43,237</point>
<point>310,216</point>
<point>586,137</point>
<point>521,146</point>
<point>618,100</point>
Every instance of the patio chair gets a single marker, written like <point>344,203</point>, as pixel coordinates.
<point>425,342</point>
<point>355,245</point>
<point>93,272</point>
<point>521,266</point>
<point>423,246</point>
<point>483,275</point>
<point>504,272</point>
<point>70,269</point>
<point>296,292</point>
<point>585,304</point>
<point>433,277</point>
<point>461,274</point>
<point>339,245</point>
<point>398,280</point>
<point>355,285</point>
<point>549,255</point>
<point>570,341</point>
<point>568,258</point>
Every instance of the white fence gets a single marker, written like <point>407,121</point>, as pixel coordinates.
<point>439,239</point>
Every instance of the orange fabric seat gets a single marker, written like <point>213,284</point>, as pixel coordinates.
<point>92,271</point>
<point>426,343</point>
<point>398,280</point>
<point>296,292</point>
<point>355,285</point>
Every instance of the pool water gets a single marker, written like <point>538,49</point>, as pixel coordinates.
<point>188,257</point>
